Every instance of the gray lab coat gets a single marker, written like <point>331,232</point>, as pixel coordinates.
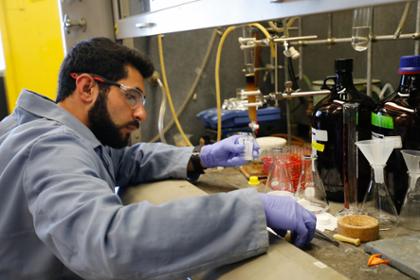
<point>60,217</point>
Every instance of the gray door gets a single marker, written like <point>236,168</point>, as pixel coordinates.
<point>83,19</point>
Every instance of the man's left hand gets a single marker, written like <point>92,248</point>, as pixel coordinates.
<point>228,152</point>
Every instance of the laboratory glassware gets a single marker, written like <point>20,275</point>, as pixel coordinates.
<point>278,179</point>
<point>361,28</point>
<point>248,141</point>
<point>377,202</point>
<point>350,113</point>
<point>398,115</point>
<point>410,211</point>
<point>310,192</point>
<point>327,131</point>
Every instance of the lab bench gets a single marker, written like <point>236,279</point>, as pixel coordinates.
<point>322,260</point>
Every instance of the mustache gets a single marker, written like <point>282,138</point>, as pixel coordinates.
<point>134,123</point>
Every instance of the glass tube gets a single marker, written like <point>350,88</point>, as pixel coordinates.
<point>350,157</point>
<point>361,28</point>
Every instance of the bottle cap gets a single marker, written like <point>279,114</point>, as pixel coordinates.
<point>409,64</point>
<point>344,65</point>
<point>253,181</point>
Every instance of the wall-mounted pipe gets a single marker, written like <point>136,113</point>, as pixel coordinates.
<point>417,43</point>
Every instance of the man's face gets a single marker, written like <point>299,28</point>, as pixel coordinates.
<point>112,118</point>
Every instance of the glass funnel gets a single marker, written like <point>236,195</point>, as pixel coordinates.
<point>377,201</point>
<point>410,211</point>
<point>310,192</point>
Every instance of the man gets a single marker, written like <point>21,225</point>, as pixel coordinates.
<point>60,163</point>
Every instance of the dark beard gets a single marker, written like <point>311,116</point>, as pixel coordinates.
<point>102,126</point>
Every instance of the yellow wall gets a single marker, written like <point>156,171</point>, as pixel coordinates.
<point>33,46</point>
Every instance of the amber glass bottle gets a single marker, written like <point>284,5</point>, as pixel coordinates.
<point>327,132</point>
<point>398,115</point>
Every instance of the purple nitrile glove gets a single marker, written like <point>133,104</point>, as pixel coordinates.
<point>228,152</point>
<point>284,213</point>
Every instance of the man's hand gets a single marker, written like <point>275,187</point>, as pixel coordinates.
<point>228,152</point>
<point>283,213</point>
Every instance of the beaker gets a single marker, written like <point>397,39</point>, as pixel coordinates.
<point>248,141</point>
<point>361,28</point>
<point>278,179</point>
<point>410,211</point>
<point>310,192</point>
<point>377,201</point>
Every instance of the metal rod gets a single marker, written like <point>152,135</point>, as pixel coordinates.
<point>417,43</point>
<point>369,56</point>
<point>300,70</point>
<point>276,70</point>
<point>288,85</point>
<point>249,92</point>
<point>289,124</point>
<point>403,19</point>
<point>375,38</point>
<point>304,93</point>
<point>297,38</point>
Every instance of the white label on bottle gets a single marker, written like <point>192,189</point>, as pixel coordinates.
<point>319,135</point>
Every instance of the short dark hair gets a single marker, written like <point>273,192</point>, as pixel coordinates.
<point>103,57</point>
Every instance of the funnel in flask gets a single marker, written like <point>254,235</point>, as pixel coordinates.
<point>410,211</point>
<point>412,160</point>
<point>377,201</point>
<point>377,151</point>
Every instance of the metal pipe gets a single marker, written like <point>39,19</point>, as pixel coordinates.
<point>304,94</point>
<point>249,92</point>
<point>369,57</point>
<point>296,38</point>
<point>403,19</point>
<point>276,71</point>
<point>417,43</point>
<point>300,66</point>
<point>374,38</point>
<point>288,85</point>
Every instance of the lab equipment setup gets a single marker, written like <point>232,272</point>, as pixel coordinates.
<point>325,98</point>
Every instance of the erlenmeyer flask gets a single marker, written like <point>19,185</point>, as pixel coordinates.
<point>410,211</point>
<point>377,201</point>
<point>310,192</point>
<point>278,180</point>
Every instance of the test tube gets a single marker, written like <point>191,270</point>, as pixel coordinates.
<point>361,28</point>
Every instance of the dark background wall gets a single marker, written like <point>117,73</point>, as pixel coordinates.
<point>184,52</point>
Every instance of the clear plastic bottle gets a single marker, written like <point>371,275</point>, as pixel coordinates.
<point>327,132</point>
<point>398,115</point>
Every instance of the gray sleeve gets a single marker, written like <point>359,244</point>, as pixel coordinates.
<point>85,225</point>
<point>149,162</point>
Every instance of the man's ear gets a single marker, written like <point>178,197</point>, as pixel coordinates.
<point>86,88</point>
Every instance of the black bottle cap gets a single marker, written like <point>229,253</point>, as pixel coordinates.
<point>344,65</point>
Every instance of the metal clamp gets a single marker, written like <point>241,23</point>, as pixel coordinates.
<point>69,24</point>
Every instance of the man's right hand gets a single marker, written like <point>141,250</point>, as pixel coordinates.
<point>283,213</point>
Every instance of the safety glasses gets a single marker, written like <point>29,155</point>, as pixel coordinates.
<point>134,96</point>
